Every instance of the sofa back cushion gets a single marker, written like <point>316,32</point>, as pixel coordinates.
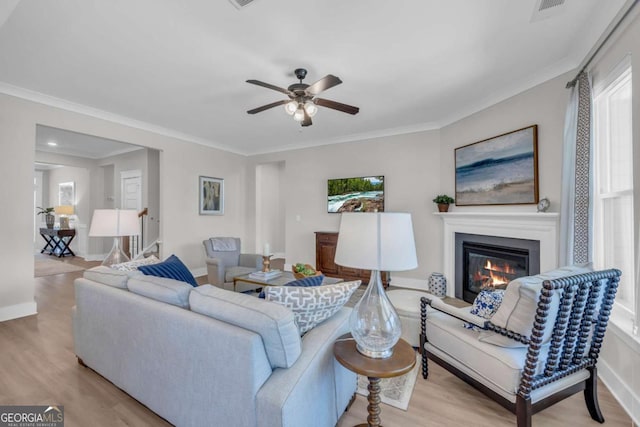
<point>109,276</point>
<point>518,309</point>
<point>274,323</point>
<point>171,291</point>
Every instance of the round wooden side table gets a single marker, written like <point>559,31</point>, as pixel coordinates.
<point>399,363</point>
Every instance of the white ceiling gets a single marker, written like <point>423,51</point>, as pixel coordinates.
<point>78,144</point>
<point>180,67</point>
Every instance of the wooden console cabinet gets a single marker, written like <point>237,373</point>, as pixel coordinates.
<point>325,254</point>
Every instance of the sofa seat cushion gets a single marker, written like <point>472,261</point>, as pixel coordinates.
<point>171,268</point>
<point>500,366</point>
<point>312,305</point>
<point>161,289</point>
<point>231,272</point>
<point>109,276</point>
<point>273,322</point>
<point>518,308</point>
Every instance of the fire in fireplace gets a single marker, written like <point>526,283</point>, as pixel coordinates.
<point>489,266</point>
<point>486,262</point>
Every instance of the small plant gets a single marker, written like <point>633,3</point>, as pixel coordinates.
<point>304,269</point>
<point>45,211</point>
<point>443,199</point>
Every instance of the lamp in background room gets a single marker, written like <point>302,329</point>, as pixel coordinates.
<point>381,241</point>
<point>115,223</point>
<point>64,211</point>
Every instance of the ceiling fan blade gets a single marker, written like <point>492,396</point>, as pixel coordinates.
<point>266,107</point>
<point>327,82</point>
<point>270,86</point>
<point>350,109</point>
<point>307,119</point>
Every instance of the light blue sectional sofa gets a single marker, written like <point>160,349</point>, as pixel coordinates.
<point>206,356</point>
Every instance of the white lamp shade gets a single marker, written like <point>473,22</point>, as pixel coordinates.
<point>376,241</point>
<point>114,223</point>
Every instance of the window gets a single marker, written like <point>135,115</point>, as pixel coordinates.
<point>613,184</point>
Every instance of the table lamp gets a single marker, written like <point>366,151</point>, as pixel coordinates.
<point>114,223</point>
<point>380,241</point>
<point>64,211</point>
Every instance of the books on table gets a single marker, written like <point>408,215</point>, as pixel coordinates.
<point>265,275</point>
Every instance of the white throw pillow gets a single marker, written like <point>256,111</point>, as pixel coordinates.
<point>312,305</point>
<point>518,309</point>
<point>133,265</point>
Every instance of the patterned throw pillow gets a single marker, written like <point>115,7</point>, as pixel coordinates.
<point>133,265</point>
<point>312,305</point>
<point>485,305</point>
<point>171,268</point>
<point>304,282</point>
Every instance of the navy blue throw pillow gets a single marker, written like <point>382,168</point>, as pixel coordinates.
<point>304,283</point>
<point>171,268</point>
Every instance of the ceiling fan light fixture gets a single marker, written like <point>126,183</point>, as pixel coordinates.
<point>298,116</point>
<point>310,108</point>
<point>291,107</point>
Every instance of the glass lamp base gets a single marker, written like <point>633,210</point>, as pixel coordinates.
<point>374,323</point>
<point>116,256</point>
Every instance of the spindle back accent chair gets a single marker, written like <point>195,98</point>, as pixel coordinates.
<point>557,359</point>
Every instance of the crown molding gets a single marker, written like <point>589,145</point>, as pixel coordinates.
<point>52,101</point>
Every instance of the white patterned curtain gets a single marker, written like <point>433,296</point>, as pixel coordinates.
<point>576,207</point>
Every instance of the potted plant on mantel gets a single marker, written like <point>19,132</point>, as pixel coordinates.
<point>49,218</point>
<point>443,201</point>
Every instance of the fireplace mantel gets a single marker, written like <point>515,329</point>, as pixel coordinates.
<point>519,225</point>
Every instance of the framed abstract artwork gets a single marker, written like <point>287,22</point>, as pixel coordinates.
<point>502,170</point>
<point>66,194</point>
<point>211,196</point>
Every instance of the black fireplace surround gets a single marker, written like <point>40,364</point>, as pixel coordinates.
<point>481,259</point>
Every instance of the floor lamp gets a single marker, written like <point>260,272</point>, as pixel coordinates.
<point>381,241</point>
<point>114,223</point>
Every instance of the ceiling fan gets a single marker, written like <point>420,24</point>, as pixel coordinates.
<point>302,103</point>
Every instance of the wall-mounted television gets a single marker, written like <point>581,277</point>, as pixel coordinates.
<point>361,194</point>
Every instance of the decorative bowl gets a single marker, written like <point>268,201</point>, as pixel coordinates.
<point>302,276</point>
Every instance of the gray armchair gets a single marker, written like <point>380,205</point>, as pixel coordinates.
<point>225,261</point>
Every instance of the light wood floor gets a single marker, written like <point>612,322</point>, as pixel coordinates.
<point>38,366</point>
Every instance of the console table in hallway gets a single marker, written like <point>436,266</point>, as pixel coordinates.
<point>58,241</point>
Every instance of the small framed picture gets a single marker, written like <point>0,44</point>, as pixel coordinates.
<point>211,196</point>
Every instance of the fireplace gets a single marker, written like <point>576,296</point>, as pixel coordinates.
<point>492,262</point>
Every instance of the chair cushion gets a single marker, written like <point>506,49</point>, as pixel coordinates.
<point>133,265</point>
<point>171,268</point>
<point>109,276</point>
<point>518,308</point>
<point>161,289</point>
<point>501,366</point>
<point>273,322</point>
<point>224,244</point>
<point>312,305</point>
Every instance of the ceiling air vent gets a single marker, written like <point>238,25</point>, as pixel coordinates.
<point>239,4</point>
<point>546,4</point>
<point>546,8</point>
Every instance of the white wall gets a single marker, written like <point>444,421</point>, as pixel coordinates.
<point>620,360</point>
<point>411,166</point>
<point>182,229</point>
<point>270,208</point>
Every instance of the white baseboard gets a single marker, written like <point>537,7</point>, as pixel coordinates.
<point>18,310</point>
<point>197,272</point>
<point>620,389</point>
<point>409,283</point>
<point>95,257</point>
